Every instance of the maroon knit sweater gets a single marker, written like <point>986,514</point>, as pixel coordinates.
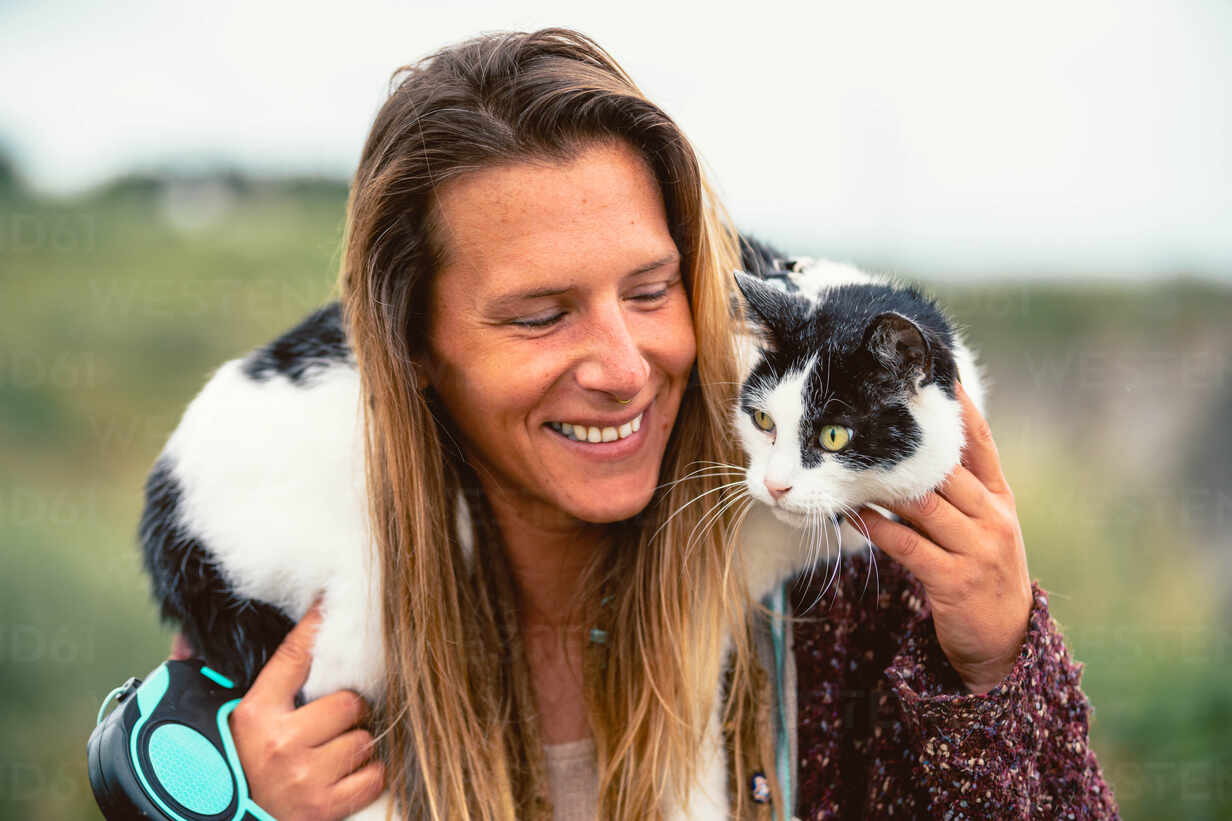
<point>886,728</point>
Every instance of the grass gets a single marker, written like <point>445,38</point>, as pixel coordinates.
<point>114,317</point>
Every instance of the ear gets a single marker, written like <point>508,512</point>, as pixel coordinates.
<point>899,344</point>
<point>772,312</point>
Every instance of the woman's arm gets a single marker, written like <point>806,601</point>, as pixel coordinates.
<point>967,550</point>
<point>311,762</point>
<point>958,697</point>
<point>887,727</point>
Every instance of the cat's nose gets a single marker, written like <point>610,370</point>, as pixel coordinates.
<point>776,490</point>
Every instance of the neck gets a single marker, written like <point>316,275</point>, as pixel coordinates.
<point>547,555</point>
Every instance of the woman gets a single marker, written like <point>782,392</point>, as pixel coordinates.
<point>532,252</point>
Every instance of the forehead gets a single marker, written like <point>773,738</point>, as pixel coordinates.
<point>540,222</point>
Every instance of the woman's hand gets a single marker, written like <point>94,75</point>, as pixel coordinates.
<point>305,764</point>
<point>966,549</point>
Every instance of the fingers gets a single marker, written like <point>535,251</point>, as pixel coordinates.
<point>945,525</point>
<point>965,492</point>
<point>359,789</point>
<point>980,454</point>
<point>926,561</point>
<point>287,670</point>
<point>347,753</point>
<point>330,716</point>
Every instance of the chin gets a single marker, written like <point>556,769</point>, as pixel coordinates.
<point>605,507</point>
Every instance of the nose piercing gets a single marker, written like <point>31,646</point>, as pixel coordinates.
<point>624,401</point>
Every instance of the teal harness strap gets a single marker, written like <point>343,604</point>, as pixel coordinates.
<point>783,763</point>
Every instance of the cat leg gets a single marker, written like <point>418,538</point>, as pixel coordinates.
<point>349,653</point>
<point>708,799</point>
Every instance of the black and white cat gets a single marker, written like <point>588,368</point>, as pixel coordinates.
<point>847,398</point>
<point>258,501</point>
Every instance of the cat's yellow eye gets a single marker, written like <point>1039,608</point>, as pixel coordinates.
<point>762,420</point>
<point>834,437</point>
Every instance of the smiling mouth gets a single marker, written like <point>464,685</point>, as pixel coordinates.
<point>595,434</point>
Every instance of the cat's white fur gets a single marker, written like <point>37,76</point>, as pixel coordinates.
<point>272,480</point>
<point>769,556</point>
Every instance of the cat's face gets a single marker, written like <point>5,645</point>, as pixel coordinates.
<point>847,404</point>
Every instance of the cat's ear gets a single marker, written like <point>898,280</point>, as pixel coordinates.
<point>899,344</point>
<point>771,311</point>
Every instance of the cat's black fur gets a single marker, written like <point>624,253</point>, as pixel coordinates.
<point>234,635</point>
<point>877,344</point>
<point>316,341</point>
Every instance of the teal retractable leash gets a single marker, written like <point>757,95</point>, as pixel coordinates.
<point>166,751</point>
<point>782,745</point>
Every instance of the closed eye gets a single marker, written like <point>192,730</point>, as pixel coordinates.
<point>651,297</point>
<point>538,322</point>
<point>547,320</point>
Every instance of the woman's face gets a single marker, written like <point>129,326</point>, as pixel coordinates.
<point>561,307</point>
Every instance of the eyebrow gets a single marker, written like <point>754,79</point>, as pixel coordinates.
<point>506,301</point>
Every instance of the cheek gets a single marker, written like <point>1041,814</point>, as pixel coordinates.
<point>673,341</point>
<point>479,377</point>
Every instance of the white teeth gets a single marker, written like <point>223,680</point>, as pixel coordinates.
<point>589,433</point>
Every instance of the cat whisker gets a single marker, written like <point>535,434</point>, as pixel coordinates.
<point>707,468</point>
<point>711,518</point>
<point>858,523</point>
<point>817,534</point>
<point>696,498</point>
<point>813,534</point>
<point>706,473</point>
<point>737,524</point>
<point>715,464</point>
<point>834,562</point>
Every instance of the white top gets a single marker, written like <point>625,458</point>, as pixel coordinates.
<point>573,775</point>
<point>573,780</point>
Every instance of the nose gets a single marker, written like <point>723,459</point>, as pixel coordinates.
<point>613,362</point>
<point>776,490</point>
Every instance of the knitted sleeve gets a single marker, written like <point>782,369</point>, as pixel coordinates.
<point>887,729</point>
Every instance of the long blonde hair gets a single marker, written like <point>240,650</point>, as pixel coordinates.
<point>458,720</point>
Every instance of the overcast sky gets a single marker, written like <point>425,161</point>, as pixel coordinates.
<point>939,137</point>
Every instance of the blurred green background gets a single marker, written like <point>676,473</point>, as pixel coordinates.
<point>1111,403</point>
